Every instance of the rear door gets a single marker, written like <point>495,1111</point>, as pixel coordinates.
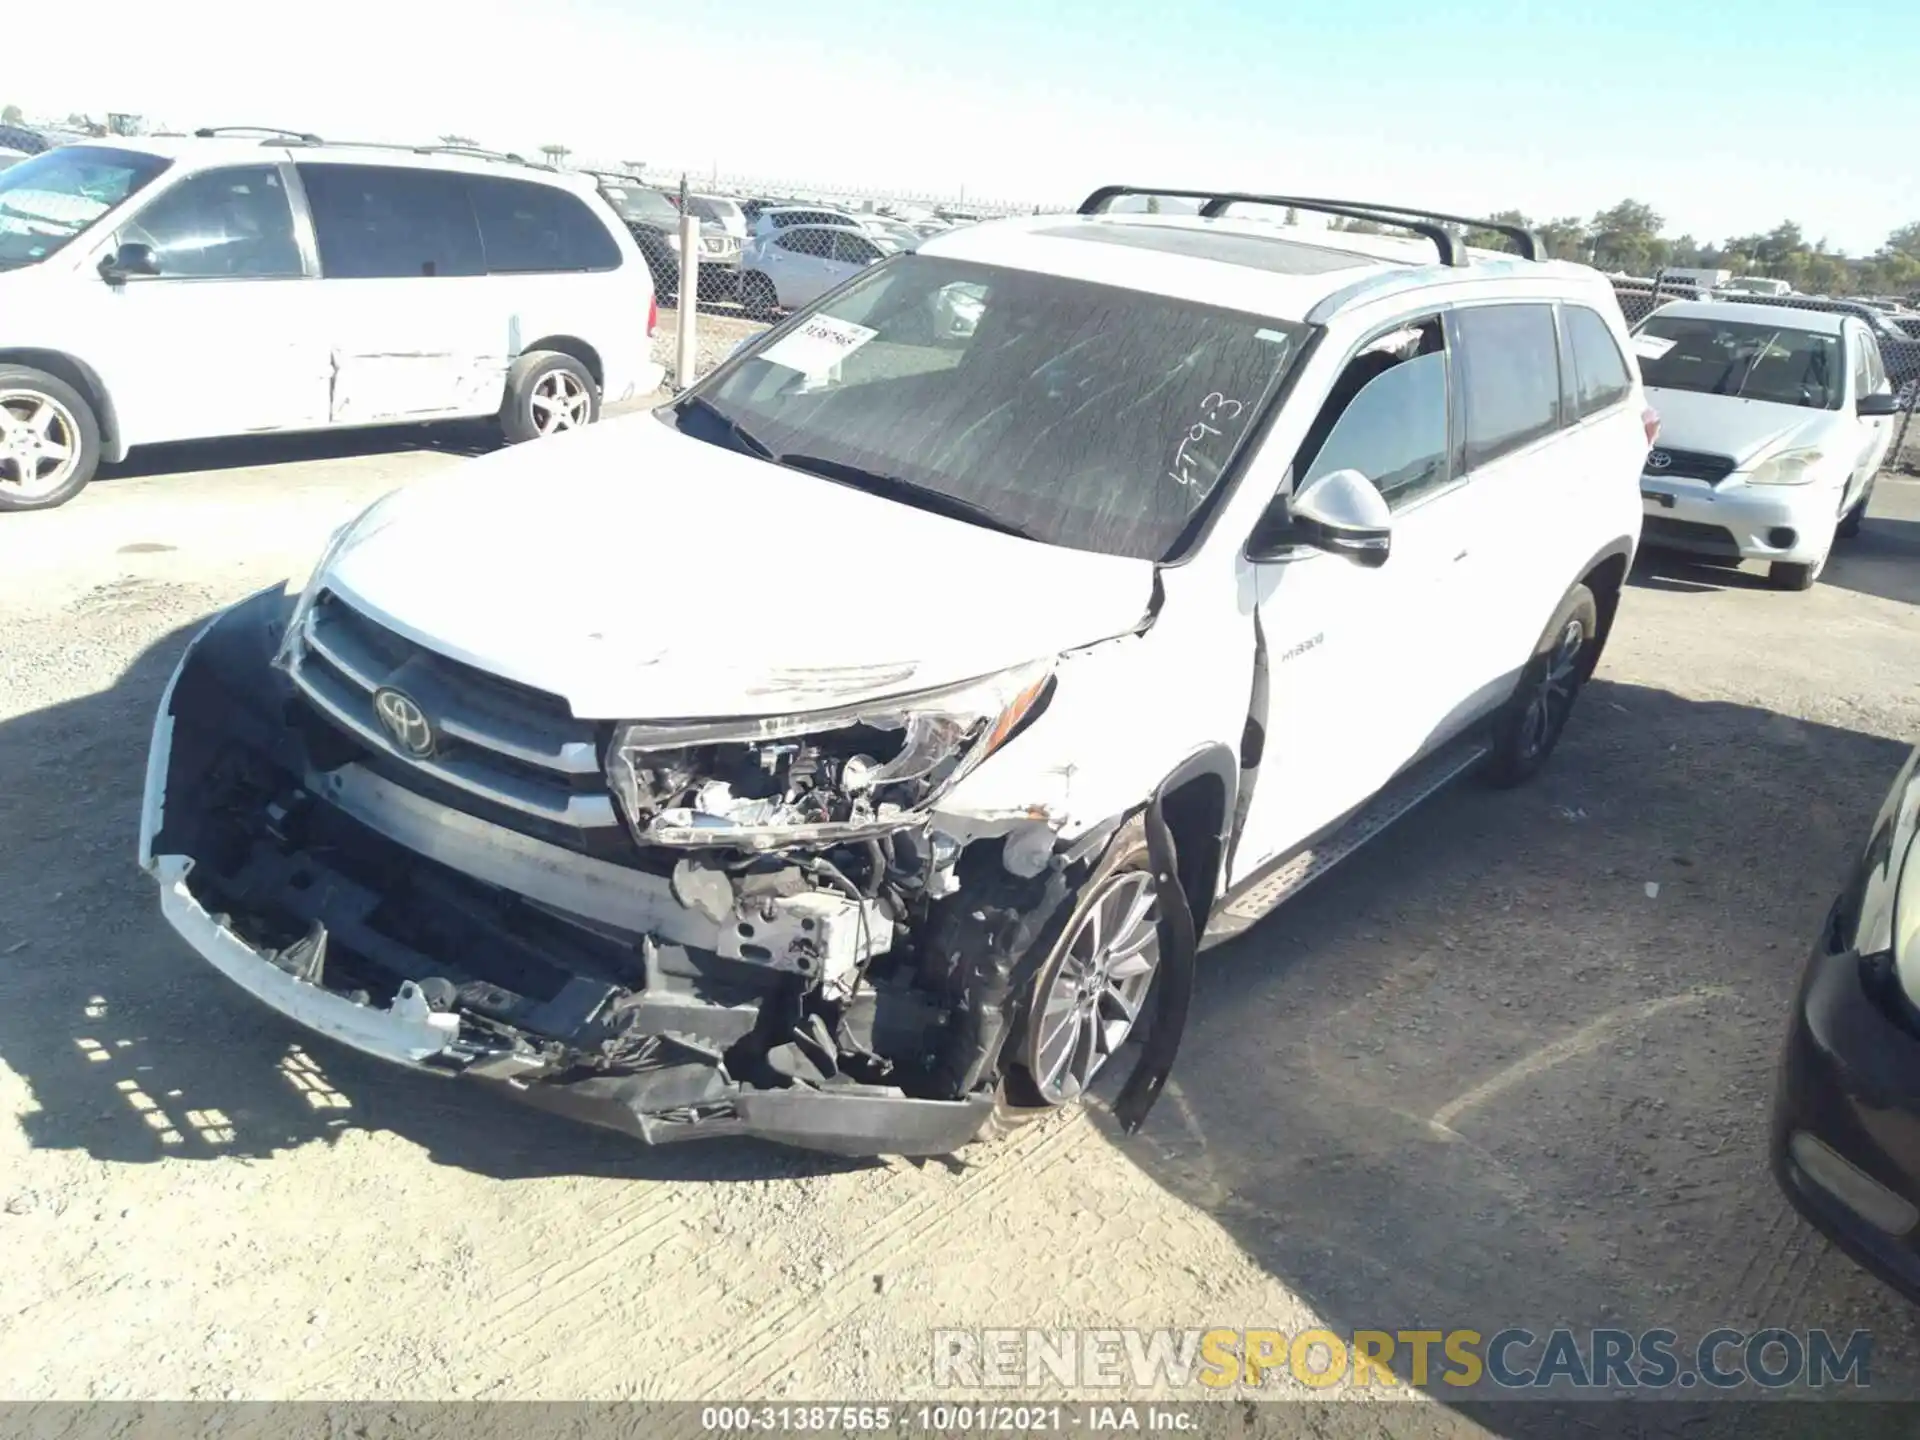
<point>416,330</point>
<point>1524,530</point>
<point>230,336</point>
<point>800,261</point>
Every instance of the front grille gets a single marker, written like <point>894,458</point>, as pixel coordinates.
<point>1705,539</point>
<point>1688,465</point>
<point>505,743</point>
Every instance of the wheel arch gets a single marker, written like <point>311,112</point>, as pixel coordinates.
<point>1606,576</point>
<point>1197,799</point>
<point>574,346</point>
<point>83,378</point>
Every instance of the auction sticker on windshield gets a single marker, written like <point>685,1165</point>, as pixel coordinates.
<point>817,344</point>
<point>1651,347</point>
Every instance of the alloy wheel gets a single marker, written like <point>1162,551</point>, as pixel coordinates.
<point>560,402</point>
<point>39,444</point>
<point>1552,698</point>
<point>1091,994</point>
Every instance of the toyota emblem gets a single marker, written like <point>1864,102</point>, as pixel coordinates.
<point>404,721</point>
<point>1659,460</point>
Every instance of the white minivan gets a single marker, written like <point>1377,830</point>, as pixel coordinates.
<point>854,751</point>
<point>253,282</point>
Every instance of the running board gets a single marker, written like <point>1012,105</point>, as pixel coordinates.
<point>1256,899</point>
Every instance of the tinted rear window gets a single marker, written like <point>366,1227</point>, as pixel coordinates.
<point>528,228</point>
<point>1510,373</point>
<point>1599,376</point>
<point>378,222</point>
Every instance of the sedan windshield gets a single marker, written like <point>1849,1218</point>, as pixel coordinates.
<point>49,199</point>
<point>1082,415</point>
<point>1742,359</point>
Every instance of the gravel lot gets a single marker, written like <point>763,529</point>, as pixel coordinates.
<point>1481,1076</point>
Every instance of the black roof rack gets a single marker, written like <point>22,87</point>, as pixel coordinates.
<point>478,153</point>
<point>210,132</point>
<point>1432,224</point>
<point>625,177</point>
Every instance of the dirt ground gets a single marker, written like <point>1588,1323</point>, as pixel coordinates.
<point>1510,1066</point>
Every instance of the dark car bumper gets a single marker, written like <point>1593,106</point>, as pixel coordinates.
<point>1846,1121</point>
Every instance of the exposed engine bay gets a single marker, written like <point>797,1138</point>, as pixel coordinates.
<point>775,922</point>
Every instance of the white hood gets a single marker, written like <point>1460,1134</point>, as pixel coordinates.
<point>1729,425</point>
<point>642,574</point>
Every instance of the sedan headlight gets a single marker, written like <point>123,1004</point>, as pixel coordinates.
<point>818,778</point>
<point>1789,467</point>
<point>361,524</point>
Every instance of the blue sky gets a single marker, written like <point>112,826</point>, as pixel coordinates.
<point>1726,119</point>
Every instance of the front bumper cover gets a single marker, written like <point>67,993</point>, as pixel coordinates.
<point>691,1097</point>
<point>1850,1080</point>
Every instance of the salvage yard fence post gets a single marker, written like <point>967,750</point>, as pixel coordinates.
<point>688,301</point>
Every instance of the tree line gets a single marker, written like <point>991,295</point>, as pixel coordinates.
<point>1629,237</point>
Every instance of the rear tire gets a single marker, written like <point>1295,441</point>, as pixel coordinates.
<point>49,440</point>
<point>1530,726</point>
<point>548,393</point>
<point>758,297</point>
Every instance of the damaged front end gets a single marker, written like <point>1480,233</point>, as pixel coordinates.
<point>678,930</point>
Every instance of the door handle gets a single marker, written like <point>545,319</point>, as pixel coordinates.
<point>1461,556</point>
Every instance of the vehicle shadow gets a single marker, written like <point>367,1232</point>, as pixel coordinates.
<point>1883,560</point>
<point>1511,1065</point>
<point>239,452</point>
<point>133,1050</point>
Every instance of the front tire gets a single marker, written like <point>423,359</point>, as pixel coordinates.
<point>1092,990</point>
<point>758,296</point>
<point>1531,724</point>
<point>548,393</point>
<point>1851,521</point>
<point>49,440</point>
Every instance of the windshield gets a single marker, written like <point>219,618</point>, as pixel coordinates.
<point>649,207</point>
<point>1739,358</point>
<point>720,211</point>
<point>47,200</point>
<point>1081,415</point>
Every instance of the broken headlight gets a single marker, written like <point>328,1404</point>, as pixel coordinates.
<point>819,778</point>
<point>354,529</point>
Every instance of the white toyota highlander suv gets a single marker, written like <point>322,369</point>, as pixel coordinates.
<point>854,751</point>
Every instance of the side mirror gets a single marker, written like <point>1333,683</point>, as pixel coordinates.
<point>132,258</point>
<point>1875,407</point>
<point>1341,513</point>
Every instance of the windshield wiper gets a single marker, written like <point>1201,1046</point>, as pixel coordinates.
<point>743,438</point>
<point>892,487</point>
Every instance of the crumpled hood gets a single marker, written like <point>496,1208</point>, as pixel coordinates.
<point>643,574</point>
<point>1728,425</point>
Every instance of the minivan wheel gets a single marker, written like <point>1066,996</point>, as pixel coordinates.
<point>49,440</point>
<point>548,393</point>
<point>1092,989</point>
<point>1530,726</point>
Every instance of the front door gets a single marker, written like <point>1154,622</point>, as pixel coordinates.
<point>228,337</point>
<point>1362,664</point>
<point>1875,431</point>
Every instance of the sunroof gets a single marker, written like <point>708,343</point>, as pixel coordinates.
<point>1275,253</point>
